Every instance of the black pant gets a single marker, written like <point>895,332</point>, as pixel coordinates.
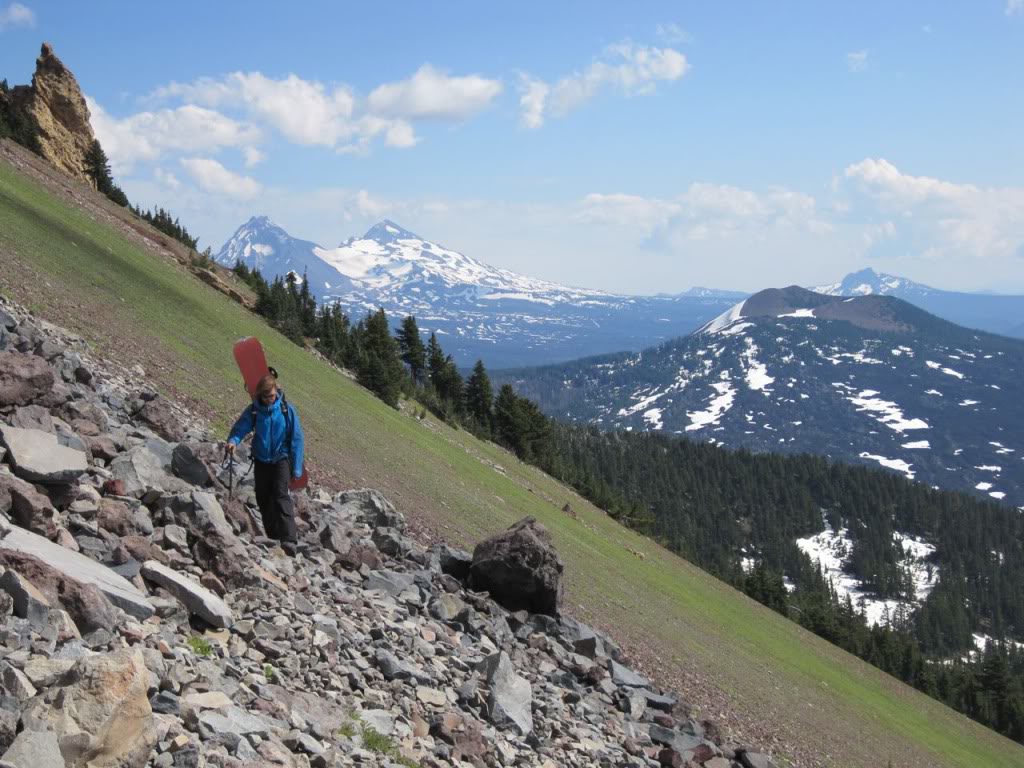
<point>273,499</point>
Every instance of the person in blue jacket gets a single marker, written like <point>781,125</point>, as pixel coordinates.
<point>277,445</point>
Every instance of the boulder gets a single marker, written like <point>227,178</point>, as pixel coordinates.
<point>105,720</point>
<point>23,378</point>
<point>38,457</point>
<point>73,568</point>
<point>159,415</point>
<point>34,749</point>
<point>86,605</point>
<point>27,506</point>
<point>510,699</point>
<point>520,568</point>
<point>199,600</point>
<point>29,602</point>
<point>32,417</point>
<point>193,462</point>
<point>371,507</point>
<point>144,468</point>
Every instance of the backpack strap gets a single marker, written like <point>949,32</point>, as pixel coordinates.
<point>289,429</point>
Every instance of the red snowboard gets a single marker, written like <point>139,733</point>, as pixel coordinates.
<point>253,365</point>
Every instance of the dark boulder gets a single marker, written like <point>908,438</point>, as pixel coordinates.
<point>520,568</point>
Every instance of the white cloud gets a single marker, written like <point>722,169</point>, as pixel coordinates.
<point>253,156</point>
<point>886,181</point>
<point>146,136</point>
<point>933,218</point>
<point>624,66</point>
<point>214,177</point>
<point>430,93</point>
<point>704,210</point>
<point>533,95</point>
<point>1015,7</point>
<point>857,61</point>
<point>166,178</point>
<point>16,15</point>
<point>673,33</point>
<point>312,113</point>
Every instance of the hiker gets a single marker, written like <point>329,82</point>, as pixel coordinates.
<point>277,457</point>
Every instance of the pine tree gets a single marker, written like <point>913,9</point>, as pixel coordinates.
<point>435,360</point>
<point>410,345</point>
<point>479,397</point>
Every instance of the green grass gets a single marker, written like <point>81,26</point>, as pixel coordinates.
<point>141,308</point>
<point>200,645</point>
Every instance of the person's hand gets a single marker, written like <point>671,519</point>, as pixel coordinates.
<point>229,448</point>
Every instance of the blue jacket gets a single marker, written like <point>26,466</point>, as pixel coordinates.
<point>269,441</point>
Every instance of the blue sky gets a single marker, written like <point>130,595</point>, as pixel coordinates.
<point>638,147</point>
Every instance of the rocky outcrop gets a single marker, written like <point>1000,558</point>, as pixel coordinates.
<point>55,106</point>
<point>520,568</point>
<point>364,648</point>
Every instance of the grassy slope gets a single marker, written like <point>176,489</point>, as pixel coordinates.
<point>139,308</point>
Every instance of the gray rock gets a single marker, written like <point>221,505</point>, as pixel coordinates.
<point>34,749</point>
<point>199,600</point>
<point>391,582</point>
<point>16,683</point>
<point>38,457</point>
<point>510,700</point>
<point>680,742</point>
<point>756,760</point>
<point>29,602</point>
<point>208,513</point>
<point>144,468</point>
<point>79,568</point>
<point>622,675</point>
<point>233,722</point>
<point>371,507</point>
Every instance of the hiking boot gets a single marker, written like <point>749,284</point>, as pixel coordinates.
<point>291,548</point>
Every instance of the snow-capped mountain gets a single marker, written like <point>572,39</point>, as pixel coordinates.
<point>478,310</point>
<point>988,312</point>
<point>867,379</point>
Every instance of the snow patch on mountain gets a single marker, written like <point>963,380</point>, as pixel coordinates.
<point>832,550</point>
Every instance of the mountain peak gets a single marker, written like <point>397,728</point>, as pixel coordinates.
<point>387,231</point>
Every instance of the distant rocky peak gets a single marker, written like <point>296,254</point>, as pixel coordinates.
<point>387,231</point>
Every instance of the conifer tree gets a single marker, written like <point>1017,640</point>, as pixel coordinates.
<point>479,397</point>
<point>435,361</point>
<point>411,348</point>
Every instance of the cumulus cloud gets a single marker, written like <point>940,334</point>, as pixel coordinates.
<point>211,176</point>
<point>857,61</point>
<point>934,218</point>
<point>430,93</point>
<point>145,136</point>
<point>626,67</point>
<point>16,15</point>
<point>312,113</point>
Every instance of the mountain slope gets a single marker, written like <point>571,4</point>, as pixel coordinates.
<point>868,379</point>
<point>988,312</point>
<point>478,310</point>
<point>731,658</point>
